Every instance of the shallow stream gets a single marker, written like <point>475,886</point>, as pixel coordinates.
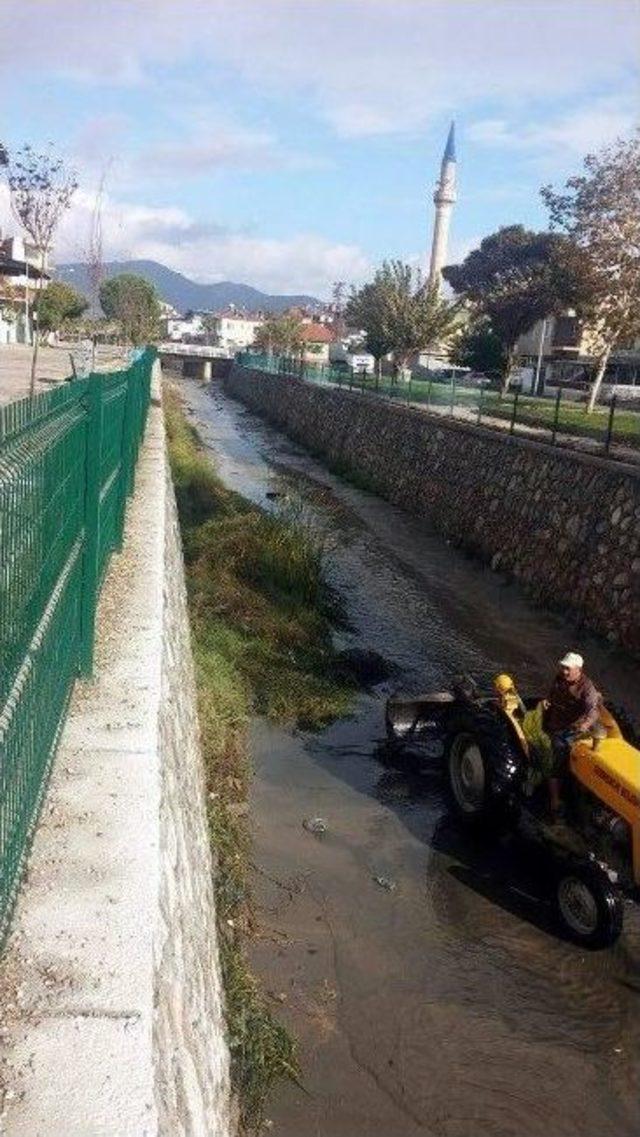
<point>418,967</point>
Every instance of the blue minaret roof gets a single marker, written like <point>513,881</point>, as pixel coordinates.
<point>450,149</point>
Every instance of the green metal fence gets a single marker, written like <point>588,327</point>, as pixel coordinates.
<point>613,428</point>
<point>67,463</point>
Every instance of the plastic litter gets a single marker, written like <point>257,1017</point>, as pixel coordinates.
<point>315,825</point>
<point>384,882</point>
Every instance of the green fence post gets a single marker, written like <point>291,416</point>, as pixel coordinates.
<point>556,416</point>
<point>130,429</point>
<point>429,385</point>
<point>89,594</point>
<point>480,401</point>
<point>612,412</point>
<point>453,394</point>
<point>514,411</point>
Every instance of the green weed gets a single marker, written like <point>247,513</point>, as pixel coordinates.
<point>261,624</point>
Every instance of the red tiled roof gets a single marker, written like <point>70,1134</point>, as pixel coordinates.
<point>316,333</point>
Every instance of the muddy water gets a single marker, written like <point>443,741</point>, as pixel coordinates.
<point>418,968</point>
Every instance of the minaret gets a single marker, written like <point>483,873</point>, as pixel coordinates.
<point>444,199</point>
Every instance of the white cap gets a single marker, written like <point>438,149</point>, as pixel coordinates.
<point>572,659</point>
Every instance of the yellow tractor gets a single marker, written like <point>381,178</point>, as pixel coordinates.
<point>495,753</point>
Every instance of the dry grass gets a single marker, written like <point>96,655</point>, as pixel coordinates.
<point>261,622</point>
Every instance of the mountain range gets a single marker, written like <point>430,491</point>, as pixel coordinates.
<point>187,295</point>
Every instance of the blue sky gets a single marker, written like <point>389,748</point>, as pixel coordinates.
<point>290,143</point>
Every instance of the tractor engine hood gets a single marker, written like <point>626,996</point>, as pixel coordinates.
<point>611,771</point>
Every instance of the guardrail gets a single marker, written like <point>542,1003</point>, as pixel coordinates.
<point>67,464</point>
<point>613,428</point>
<point>195,349</point>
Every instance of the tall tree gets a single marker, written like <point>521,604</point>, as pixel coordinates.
<point>41,188</point>
<point>513,281</point>
<point>134,303</point>
<point>210,324</point>
<point>479,348</point>
<point>280,334</point>
<point>367,309</point>
<point>94,255</point>
<point>401,313</point>
<point>599,211</point>
<point>60,302</point>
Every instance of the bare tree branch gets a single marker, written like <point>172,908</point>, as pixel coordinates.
<point>41,188</point>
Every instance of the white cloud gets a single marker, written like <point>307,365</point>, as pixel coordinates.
<point>368,66</point>
<point>213,144</point>
<point>244,149</point>
<point>365,67</point>
<point>305,262</point>
<point>578,131</point>
<point>100,135</point>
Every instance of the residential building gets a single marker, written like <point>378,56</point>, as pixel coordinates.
<point>237,331</point>
<point>186,328</point>
<point>316,339</point>
<point>560,337</point>
<point>167,311</point>
<point>562,350</point>
<point>20,276</point>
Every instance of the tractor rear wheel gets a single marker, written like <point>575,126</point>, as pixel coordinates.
<point>483,769</point>
<point>468,774</point>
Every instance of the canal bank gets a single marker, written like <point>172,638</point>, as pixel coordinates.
<point>563,525</point>
<point>440,1000</point>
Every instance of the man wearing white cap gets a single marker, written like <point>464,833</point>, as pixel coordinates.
<point>572,708</point>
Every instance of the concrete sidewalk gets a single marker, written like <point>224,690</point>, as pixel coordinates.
<point>54,366</point>
<point>110,994</point>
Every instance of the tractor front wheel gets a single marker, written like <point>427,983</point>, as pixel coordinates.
<point>589,907</point>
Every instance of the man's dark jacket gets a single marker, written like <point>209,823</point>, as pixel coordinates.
<point>572,706</point>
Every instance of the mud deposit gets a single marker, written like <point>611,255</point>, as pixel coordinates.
<point>419,968</point>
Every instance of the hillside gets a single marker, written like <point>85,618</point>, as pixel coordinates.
<point>185,294</point>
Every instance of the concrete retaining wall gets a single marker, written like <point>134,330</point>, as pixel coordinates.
<point>191,1061</point>
<point>110,995</point>
<point>565,525</point>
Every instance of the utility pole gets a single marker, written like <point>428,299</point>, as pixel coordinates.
<point>27,337</point>
<point>338,308</point>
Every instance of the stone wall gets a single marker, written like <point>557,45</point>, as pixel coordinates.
<point>110,994</point>
<point>563,524</point>
<point>191,1061</point>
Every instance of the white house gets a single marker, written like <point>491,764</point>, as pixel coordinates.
<point>233,331</point>
<point>20,273</point>
<point>180,328</point>
<point>237,331</point>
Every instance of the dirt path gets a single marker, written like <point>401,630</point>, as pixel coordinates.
<point>437,998</point>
